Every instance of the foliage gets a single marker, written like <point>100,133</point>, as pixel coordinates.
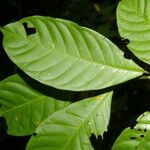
<point>23,107</point>
<point>136,138</point>
<point>57,43</point>
<point>134,24</point>
<point>66,56</point>
<point>71,127</point>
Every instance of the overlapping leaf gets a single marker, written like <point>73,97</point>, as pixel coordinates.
<point>137,138</point>
<point>23,107</point>
<point>71,127</point>
<point>133,17</point>
<point>66,56</point>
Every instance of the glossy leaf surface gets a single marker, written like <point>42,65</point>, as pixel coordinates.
<point>133,17</point>
<point>64,55</point>
<point>137,138</point>
<point>24,108</point>
<point>71,127</point>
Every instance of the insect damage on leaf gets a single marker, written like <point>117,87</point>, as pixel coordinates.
<point>126,41</point>
<point>34,134</point>
<point>133,138</point>
<point>145,130</point>
<point>141,135</point>
<point>28,30</point>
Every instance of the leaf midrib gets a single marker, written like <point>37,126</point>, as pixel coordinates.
<point>93,62</point>
<point>136,11</point>
<point>83,123</point>
<point>22,105</point>
<point>89,61</point>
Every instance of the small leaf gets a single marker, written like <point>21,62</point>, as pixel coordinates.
<point>66,56</point>
<point>133,19</point>
<point>23,107</point>
<point>71,127</point>
<point>137,138</point>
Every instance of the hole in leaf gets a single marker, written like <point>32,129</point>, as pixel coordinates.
<point>145,130</point>
<point>98,114</point>
<point>95,142</point>
<point>133,138</point>
<point>28,30</point>
<point>34,134</point>
<point>139,129</point>
<point>141,135</point>
<point>126,41</point>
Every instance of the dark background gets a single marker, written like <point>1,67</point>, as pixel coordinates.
<point>130,99</point>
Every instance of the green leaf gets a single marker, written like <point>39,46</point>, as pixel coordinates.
<point>23,107</point>
<point>137,138</point>
<point>71,127</point>
<point>133,18</point>
<point>66,56</point>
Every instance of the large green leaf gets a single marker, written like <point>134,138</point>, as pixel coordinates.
<point>23,107</point>
<point>71,127</point>
<point>137,138</point>
<point>133,18</point>
<point>66,56</point>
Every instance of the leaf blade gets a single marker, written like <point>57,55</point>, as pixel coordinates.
<point>70,128</point>
<point>23,107</point>
<point>137,138</point>
<point>133,21</point>
<point>66,56</point>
